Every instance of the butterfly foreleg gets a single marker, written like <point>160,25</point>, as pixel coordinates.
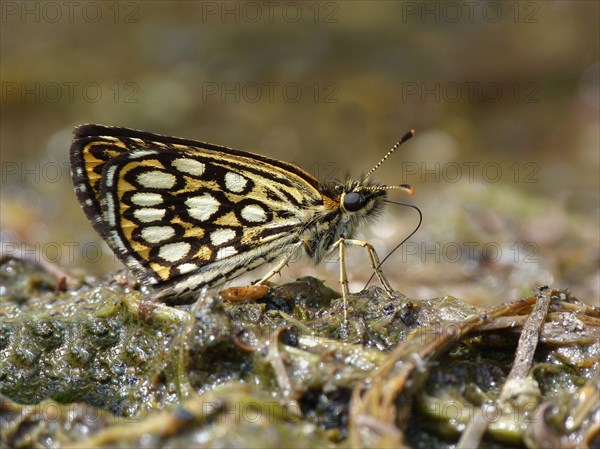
<point>277,269</point>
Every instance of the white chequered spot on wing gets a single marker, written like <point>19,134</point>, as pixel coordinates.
<point>109,177</point>
<point>189,166</point>
<point>186,267</point>
<point>155,234</point>
<point>138,154</point>
<point>254,213</point>
<point>201,207</point>
<point>173,252</point>
<point>149,214</point>
<point>109,214</point>
<point>156,179</point>
<point>235,182</point>
<point>146,198</point>
<point>221,236</point>
<point>226,252</point>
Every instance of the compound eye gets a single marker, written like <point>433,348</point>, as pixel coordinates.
<point>354,201</point>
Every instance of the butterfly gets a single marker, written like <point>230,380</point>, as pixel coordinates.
<point>184,215</point>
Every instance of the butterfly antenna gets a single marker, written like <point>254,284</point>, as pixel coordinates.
<point>403,241</point>
<point>406,187</point>
<point>404,138</point>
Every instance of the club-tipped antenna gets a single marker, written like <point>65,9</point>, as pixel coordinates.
<point>403,241</point>
<point>404,138</point>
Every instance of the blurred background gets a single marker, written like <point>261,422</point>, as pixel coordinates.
<point>504,97</point>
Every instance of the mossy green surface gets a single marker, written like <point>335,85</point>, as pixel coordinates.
<point>103,366</point>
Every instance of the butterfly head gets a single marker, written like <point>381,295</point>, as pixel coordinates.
<point>362,197</point>
<point>355,201</point>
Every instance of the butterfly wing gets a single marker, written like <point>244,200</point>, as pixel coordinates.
<point>185,214</point>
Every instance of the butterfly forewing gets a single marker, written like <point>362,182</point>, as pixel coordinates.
<point>184,214</point>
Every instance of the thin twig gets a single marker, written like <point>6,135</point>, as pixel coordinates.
<point>518,387</point>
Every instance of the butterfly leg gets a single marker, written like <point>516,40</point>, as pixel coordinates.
<point>373,260</point>
<point>283,263</point>
<point>343,277</point>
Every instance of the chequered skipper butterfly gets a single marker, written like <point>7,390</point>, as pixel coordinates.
<point>184,215</point>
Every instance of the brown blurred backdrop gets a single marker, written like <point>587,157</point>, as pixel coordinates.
<point>504,97</point>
